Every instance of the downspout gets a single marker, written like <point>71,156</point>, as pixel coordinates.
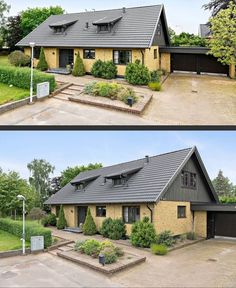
<point>151,212</point>
<point>143,55</point>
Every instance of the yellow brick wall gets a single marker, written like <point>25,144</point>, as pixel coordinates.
<point>200,223</point>
<point>70,215</point>
<point>232,71</point>
<point>149,61</point>
<point>166,62</point>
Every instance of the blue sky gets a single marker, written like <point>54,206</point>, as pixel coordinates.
<point>63,149</point>
<point>182,15</point>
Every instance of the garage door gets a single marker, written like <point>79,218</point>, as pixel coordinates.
<point>221,224</point>
<point>198,63</point>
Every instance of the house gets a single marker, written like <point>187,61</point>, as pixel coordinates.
<point>121,35</point>
<point>205,31</point>
<point>172,189</point>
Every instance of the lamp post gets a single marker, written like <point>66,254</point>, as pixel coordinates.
<point>32,45</point>
<point>22,198</point>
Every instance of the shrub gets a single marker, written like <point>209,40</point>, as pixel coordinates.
<point>155,76</point>
<point>137,74</point>
<point>19,59</point>
<point>166,238</point>
<point>79,246</point>
<point>20,77</point>
<point>113,229</point>
<point>42,64</point>
<point>154,86</point>
<point>104,69</point>
<point>107,244</point>
<point>89,227</point>
<point>49,220</point>
<point>36,214</point>
<point>143,233</point>
<point>78,69</point>
<point>110,255</point>
<point>159,249</point>
<point>31,229</point>
<point>61,222</point>
<point>191,236</point>
<point>119,252</point>
<point>91,247</point>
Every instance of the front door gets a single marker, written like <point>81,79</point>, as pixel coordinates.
<point>210,225</point>
<point>82,212</point>
<point>66,57</point>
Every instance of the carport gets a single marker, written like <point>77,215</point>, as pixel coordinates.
<point>221,219</point>
<point>192,59</point>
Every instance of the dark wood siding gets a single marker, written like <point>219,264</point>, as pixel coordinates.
<point>160,40</point>
<point>201,194</point>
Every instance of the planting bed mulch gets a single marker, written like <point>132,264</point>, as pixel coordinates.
<point>124,262</point>
<point>185,243</point>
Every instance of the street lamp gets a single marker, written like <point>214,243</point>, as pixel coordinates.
<point>32,45</point>
<point>22,198</point>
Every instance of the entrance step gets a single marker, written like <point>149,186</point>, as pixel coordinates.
<point>73,230</point>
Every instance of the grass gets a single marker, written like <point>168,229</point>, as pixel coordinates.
<point>10,242</point>
<point>4,61</point>
<point>9,94</point>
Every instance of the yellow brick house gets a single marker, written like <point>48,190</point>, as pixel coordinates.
<point>167,188</point>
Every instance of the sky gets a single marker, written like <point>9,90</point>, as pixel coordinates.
<point>67,148</point>
<point>182,15</point>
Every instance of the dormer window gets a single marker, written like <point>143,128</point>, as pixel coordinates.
<point>106,24</point>
<point>119,181</point>
<point>189,180</point>
<point>103,28</point>
<point>61,26</point>
<point>59,30</point>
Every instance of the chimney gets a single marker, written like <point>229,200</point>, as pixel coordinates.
<point>147,159</point>
<point>87,25</point>
<point>124,10</point>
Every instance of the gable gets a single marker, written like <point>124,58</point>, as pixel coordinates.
<point>202,193</point>
<point>161,36</point>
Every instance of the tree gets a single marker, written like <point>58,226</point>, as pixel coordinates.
<point>89,227</point>
<point>71,172</point>
<point>3,8</point>
<point>40,171</point>
<point>36,214</point>
<point>216,6</point>
<point>187,39</point>
<point>78,69</point>
<point>223,42</point>
<point>42,64</point>
<point>61,223</point>
<point>171,33</point>
<point>222,185</point>
<point>12,32</point>
<point>33,17</point>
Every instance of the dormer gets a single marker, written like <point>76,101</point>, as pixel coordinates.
<point>106,23</point>
<point>82,182</point>
<point>61,26</point>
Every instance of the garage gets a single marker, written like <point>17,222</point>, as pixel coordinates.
<point>194,59</point>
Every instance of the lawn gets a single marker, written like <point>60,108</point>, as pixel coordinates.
<point>10,242</point>
<point>9,94</point>
<point>4,61</point>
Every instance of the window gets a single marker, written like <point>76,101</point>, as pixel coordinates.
<point>189,180</point>
<point>159,29</point>
<point>101,211</point>
<point>57,210</point>
<point>122,57</point>
<point>155,53</point>
<point>118,181</point>
<point>104,28</point>
<point>59,30</point>
<point>89,54</point>
<point>181,211</point>
<point>131,214</point>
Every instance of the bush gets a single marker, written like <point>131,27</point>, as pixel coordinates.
<point>113,229</point>
<point>143,233</point>
<point>166,238</point>
<point>89,227</point>
<point>36,214</point>
<point>19,59</point>
<point>159,249</point>
<point>110,255</point>
<point>42,64</point>
<point>61,222</point>
<point>20,77</point>
<point>107,244</point>
<point>191,236</point>
<point>155,76</point>
<point>137,74</point>
<point>49,220</point>
<point>31,229</point>
<point>79,246</point>
<point>119,251</point>
<point>91,247</point>
<point>154,86</point>
<point>104,69</point>
<point>78,69</point>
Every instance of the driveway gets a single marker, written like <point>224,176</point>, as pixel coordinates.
<point>186,99</point>
<point>210,263</point>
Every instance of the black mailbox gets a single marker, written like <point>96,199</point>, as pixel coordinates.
<point>130,101</point>
<point>101,259</point>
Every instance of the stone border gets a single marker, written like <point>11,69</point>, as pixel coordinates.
<point>186,245</point>
<point>13,253</point>
<point>101,269</point>
<point>56,246</point>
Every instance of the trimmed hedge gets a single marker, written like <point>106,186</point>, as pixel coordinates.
<point>20,77</point>
<point>31,229</point>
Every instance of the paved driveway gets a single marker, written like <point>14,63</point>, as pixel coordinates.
<point>210,263</point>
<point>185,100</point>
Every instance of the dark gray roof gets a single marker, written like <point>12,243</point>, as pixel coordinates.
<point>204,31</point>
<point>214,207</point>
<point>135,30</point>
<point>62,23</point>
<point>185,50</point>
<point>146,185</point>
<point>107,20</point>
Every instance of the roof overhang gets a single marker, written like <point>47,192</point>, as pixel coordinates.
<point>214,207</point>
<point>184,50</point>
<point>83,180</point>
<point>63,23</point>
<point>107,20</point>
<point>123,173</point>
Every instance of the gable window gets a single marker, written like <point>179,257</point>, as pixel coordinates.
<point>118,181</point>
<point>181,212</point>
<point>159,29</point>
<point>131,214</point>
<point>155,53</point>
<point>101,211</point>
<point>189,180</point>
<point>122,57</point>
<point>89,54</point>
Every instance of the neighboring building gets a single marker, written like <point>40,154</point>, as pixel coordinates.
<point>166,188</point>
<point>205,31</point>
<point>121,35</point>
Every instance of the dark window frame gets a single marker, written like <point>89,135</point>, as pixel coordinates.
<point>127,57</point>
<point>133,214</point>
<point>121,182</point>
<point>58,207</point>
<point>155,53</point>
<point>189,180</point>
<point>181,212</point>
<point>90,53</point>
<point>104,28</point>
<point>101,214</point>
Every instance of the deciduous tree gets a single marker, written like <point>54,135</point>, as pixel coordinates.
<point>215,6</point>
<point>222,185</point>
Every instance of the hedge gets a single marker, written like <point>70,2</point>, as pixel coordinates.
<point>20,77</point>
<point>31,229</point>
